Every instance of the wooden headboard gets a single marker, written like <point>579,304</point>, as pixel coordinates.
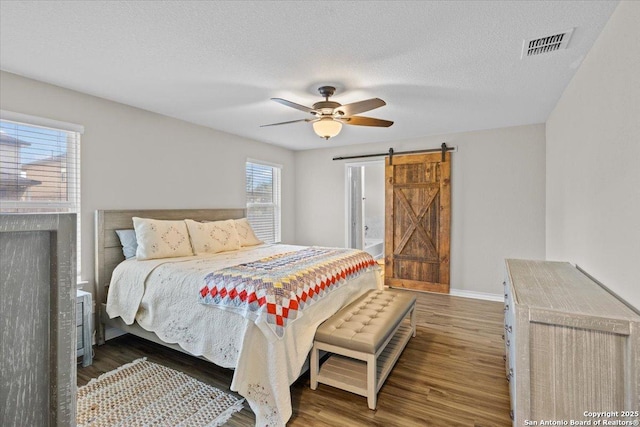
<point>108,251</point>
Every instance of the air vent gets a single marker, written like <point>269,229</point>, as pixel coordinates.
<point>547,44</point>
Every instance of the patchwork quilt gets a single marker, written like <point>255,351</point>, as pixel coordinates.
<point>276,289</point>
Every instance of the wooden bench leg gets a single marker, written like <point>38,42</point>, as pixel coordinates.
<point>314,367</point>
<point>372,381</point>
<point>413,319</point>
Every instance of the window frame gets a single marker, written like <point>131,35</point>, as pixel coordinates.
<point>73,178</point>
<point>276,203</point>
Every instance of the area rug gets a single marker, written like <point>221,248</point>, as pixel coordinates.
<point>142,393</point>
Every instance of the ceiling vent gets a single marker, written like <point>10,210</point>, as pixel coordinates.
<point>547,44</point>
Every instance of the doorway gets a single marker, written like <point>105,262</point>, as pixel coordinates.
<point>365,207</point>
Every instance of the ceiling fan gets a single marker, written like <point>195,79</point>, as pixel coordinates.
<point>329,116</point>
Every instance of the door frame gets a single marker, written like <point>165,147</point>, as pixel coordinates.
<point>347,195</point>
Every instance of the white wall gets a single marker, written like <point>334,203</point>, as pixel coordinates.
<point>498,199</point>
<point>593,161</point>
<point>133,158</point>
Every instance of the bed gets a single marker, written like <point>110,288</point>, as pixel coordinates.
<point>153,299</point>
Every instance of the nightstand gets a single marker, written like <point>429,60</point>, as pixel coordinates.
<point>84,326</point>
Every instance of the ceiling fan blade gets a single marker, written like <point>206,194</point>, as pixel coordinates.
<point>291,121</point>
<point>360,107</point>
<point>365,121</point>
<point>294,105</point>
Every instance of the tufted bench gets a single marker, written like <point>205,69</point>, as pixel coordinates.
<point>366,338</point>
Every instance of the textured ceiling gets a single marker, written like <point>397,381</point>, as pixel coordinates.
<point>440,66</point>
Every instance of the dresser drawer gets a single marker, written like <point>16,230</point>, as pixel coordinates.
<point>80,338</point>
<point>510,343</point>
<point>84,327</point>
<point>79,313</point>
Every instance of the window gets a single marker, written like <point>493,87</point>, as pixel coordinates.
<point>39,166</point>
<point>263,200</point>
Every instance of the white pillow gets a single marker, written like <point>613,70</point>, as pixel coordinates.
<point>247,236</point>
<point>161,239</point>
<point>213,237</point>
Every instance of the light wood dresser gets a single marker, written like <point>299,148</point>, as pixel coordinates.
<point>572,348</point>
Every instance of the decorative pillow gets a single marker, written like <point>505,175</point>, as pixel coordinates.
<point>213,237</point>
<point>128,242</point>
<point>161,239</point>
<point>247,236</point>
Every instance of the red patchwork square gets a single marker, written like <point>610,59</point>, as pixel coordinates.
<point>271,308</point>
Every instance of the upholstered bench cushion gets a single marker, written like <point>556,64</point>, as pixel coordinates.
<point>366,323</point>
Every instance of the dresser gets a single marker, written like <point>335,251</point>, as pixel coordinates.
<point>84,327</point>
<point>37,308</point>
<point>570,345</point>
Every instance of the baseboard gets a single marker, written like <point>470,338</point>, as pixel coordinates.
<point>476,295</point>
<point>110,333</point>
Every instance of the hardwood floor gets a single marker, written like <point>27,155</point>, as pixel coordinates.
<point>451,374</point>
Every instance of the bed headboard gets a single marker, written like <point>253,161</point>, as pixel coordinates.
<point>108,251</point>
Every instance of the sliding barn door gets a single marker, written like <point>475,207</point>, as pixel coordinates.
<point>418,218</point>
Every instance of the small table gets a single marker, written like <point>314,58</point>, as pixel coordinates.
<point>84,326</point>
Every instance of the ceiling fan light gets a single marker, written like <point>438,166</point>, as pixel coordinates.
<point>327,128</point>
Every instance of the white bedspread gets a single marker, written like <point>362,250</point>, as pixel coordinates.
<point>161,295</point>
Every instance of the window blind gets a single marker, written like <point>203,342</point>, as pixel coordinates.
<point>263,200</point>
<point>39,170</point>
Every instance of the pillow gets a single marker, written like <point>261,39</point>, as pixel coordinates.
<point>213,237</point>
<point>128,242</point>
<point>247,236</point>
<point>161,239</point>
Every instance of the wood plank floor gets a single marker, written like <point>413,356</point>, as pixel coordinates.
<point>451,374</point>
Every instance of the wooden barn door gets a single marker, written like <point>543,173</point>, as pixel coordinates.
<point>417,223</point>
